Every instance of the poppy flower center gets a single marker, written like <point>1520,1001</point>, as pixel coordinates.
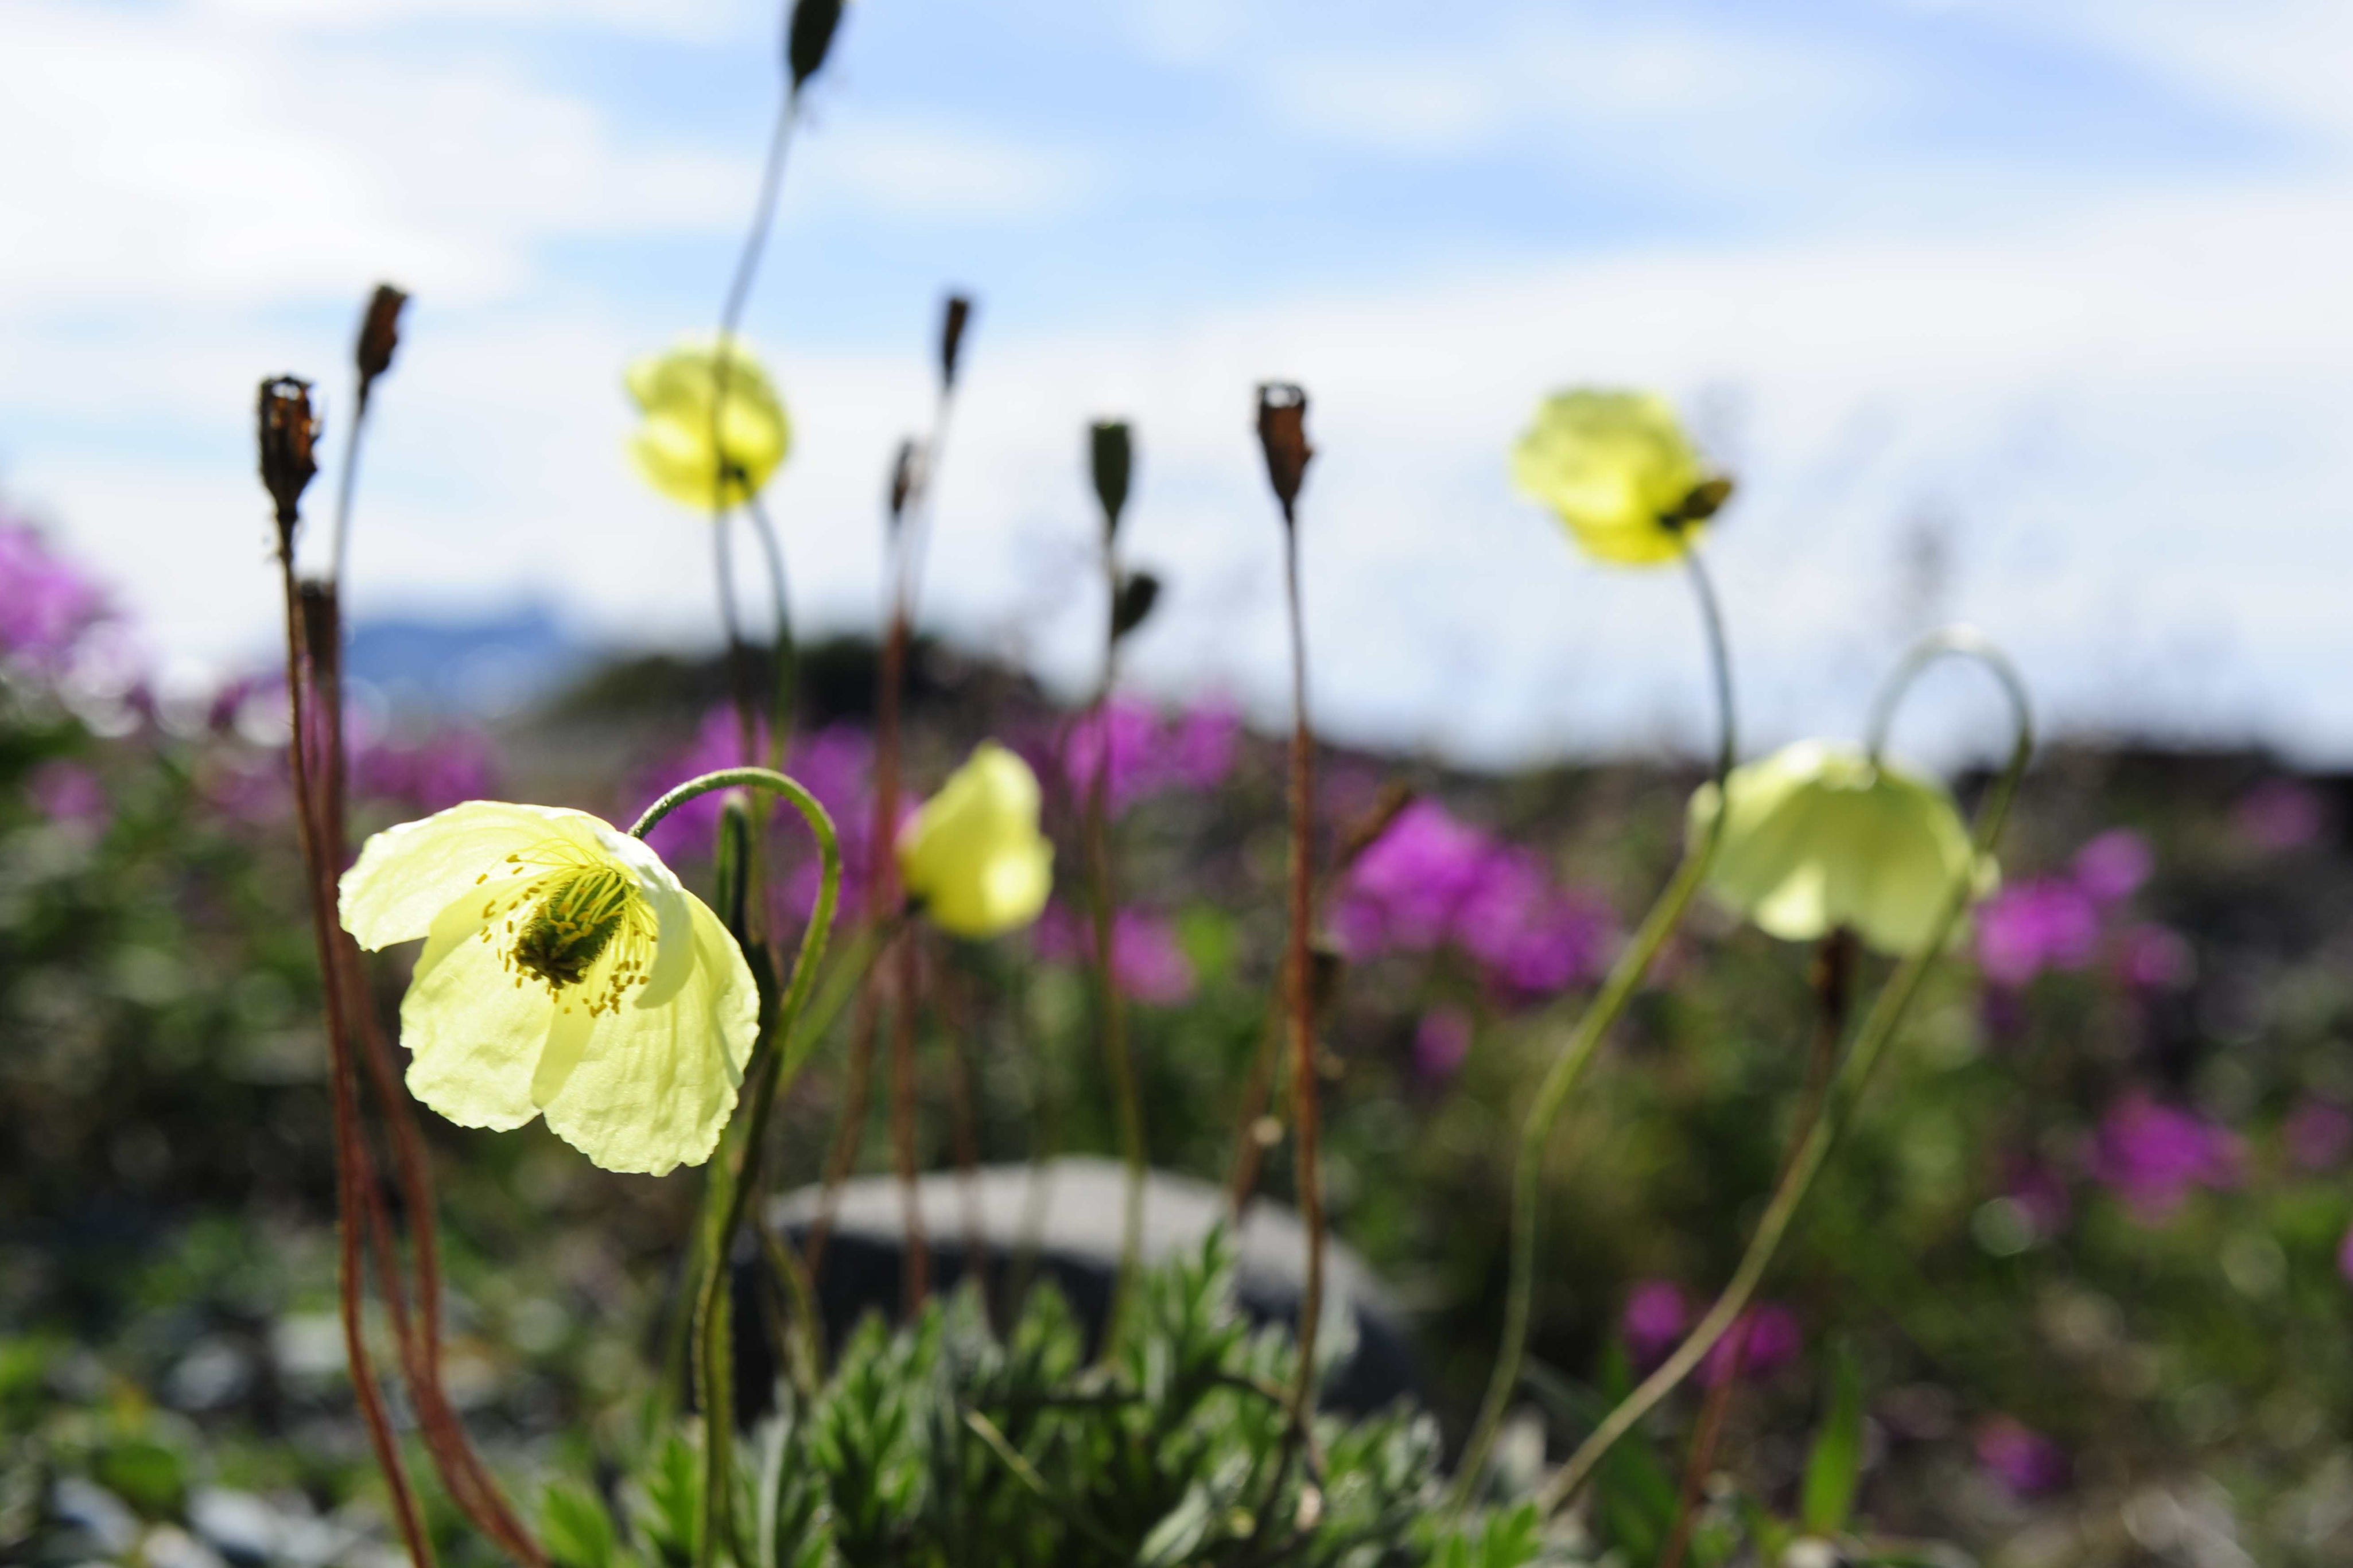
<point>570,928</point>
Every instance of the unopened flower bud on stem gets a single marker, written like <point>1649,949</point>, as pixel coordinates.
<point>809,37</point>
<point>287,432</point>
<point>1111,463</point>
<point>379,335</point>
<point>954,318</point>
<point>1283,432</point>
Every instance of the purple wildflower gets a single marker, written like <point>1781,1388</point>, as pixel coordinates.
<point>1202,745</point>
<point>1531,938</point>
<point>427,775</point>
<point>2045,923</point>
<point>2281,815</point>
<point>1440,1043</point>
<point>1404,892</point>
<point>69,794</point>
<point>2319,1135</point>
<point>1147,962</point>
<point>1761,1342</point>
<point>2154,958</point>
<point>2151,1155</point>
<point>2023,1460</point>
<point>46,606</point>
<point>2041,1194</point>
<point>1147,754</point>
<point>2112,867</point>
<point>1654,1321</point>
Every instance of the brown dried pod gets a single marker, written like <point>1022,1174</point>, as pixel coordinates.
<point>1283,432</point>
<point>379,335</point>
<point>905,471</point>
<point>287,432</point>
<point>953,322</point>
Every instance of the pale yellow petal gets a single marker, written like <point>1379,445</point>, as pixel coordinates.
<point>407,875</point>
<point>473,1034</point>
<point>653,1087</point>
<point>973,855</point>
<point>1819,837</point>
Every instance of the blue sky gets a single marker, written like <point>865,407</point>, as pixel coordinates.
<point>2050,293</point>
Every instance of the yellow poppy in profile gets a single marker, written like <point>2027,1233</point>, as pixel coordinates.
<point>1819,836</point>
<point>1618,471</point>
<point>565,973</point>
<point>674,449</point>
<point>973,857</point>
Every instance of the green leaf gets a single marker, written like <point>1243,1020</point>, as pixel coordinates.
<point>577,1531</point>
<point>1834,1468</point>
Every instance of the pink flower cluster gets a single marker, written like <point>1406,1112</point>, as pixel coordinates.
<point>425,776</point>
<point>1147,752</point>
<point>1432,882</point>
<point>2066,923</point>
<point>2025,1462</point>
<point>2152,1156</point>
<point>1761,1342</point>
<point>1147,962</point>
<point>46,606</point>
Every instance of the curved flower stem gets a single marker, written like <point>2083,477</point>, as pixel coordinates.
<point>1118,1061</point>
<point>1625,976</point>
<point>1879,1026</point>
<point>716,1358</point>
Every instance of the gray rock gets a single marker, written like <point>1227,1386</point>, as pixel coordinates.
<point>1067,1215</point>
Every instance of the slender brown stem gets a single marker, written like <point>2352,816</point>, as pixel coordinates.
<point>1303,1096</point>
<point>1257,1101</point>
<point>1702,1452</point>
<point>1113,1017</point>
<point>353,1171</point>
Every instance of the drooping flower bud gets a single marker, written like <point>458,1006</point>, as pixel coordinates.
<point>1110,461</point>
<point>954,317</point>
<point>809,37</point>
<point>1282,432</point>
<point>287,432</point>
<point>379,335</point>
<point>1820,836</point>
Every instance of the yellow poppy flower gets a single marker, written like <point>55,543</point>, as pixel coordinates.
<point>973,857</point>
<point>1819,836</point>
<point>673,449</point>
<point>1619,472</point>
<point>565,973</point>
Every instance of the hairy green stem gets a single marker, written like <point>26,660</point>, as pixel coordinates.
<point>711,1317</point>
<point>1616,989</point>
<point>1879,1026</point>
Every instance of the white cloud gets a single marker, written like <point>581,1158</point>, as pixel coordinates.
<point>179,159</point>
<point>933,171</point>
<point>2133,420</point>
